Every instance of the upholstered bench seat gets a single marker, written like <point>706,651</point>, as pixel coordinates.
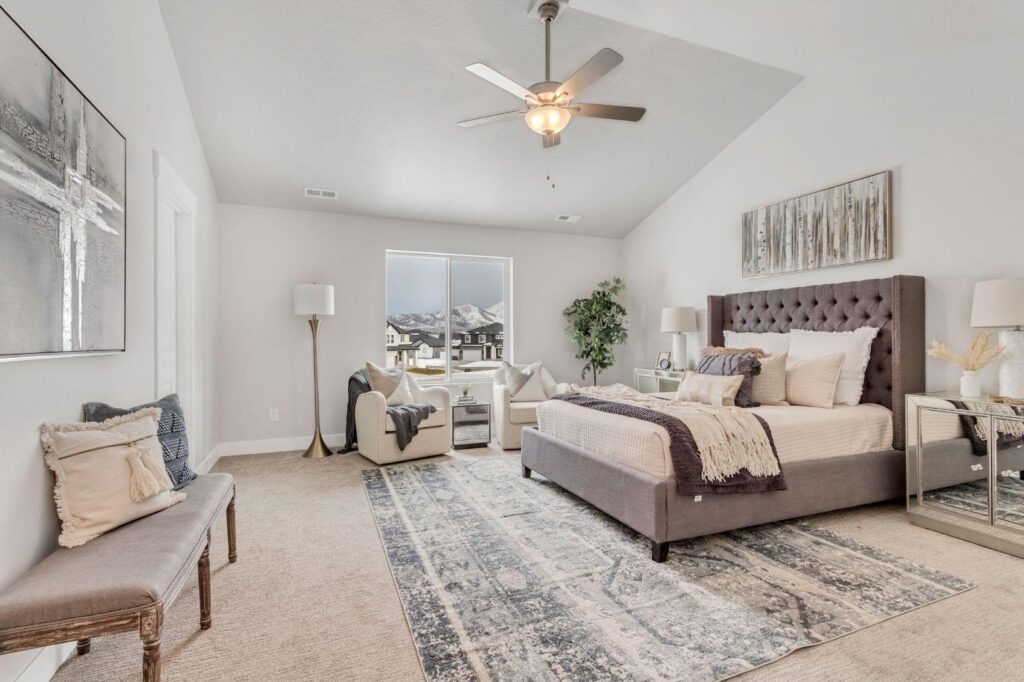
<point>122,579</point>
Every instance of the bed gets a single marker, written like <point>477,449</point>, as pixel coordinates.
<point>624,475</point>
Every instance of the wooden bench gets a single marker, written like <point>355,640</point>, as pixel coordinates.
<point>122,580</point>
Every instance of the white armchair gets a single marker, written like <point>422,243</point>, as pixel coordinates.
<point>376,430</point>
<point>510,418</point>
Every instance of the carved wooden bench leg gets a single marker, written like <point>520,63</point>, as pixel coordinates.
<point>205,610</point>
<point>83,646</point>
<point>150,625</point>
<point>232,547</point>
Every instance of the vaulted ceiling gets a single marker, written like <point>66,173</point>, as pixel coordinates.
<point>363,97</point>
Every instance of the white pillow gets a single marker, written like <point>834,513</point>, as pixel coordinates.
<point>532,391</point>
<point>813,382</point>
<point>402,395</point>
<point>769,387</point>
<point>856,345</point>
<point>772,343</point>
<point>710,389</point>
<point>398,389</point>
<point>548,381</point>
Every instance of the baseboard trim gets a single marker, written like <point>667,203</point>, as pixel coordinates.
<point>211,458</point>
<point>259,447</point>
<point>45,663</point>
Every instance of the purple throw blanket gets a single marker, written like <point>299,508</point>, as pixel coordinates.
<point>686,460</point>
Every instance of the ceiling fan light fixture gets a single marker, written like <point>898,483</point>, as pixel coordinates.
<point>548,119</point>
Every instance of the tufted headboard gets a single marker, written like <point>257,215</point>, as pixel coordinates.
<point>894,304</point>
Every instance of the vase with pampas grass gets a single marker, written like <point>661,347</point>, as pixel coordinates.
<point>981,351</point>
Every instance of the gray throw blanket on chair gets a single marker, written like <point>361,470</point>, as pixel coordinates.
<point>407,418</point>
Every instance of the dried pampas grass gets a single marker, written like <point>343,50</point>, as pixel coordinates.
<point>981,351</point>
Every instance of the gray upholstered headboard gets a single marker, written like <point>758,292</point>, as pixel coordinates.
<point>894,304</point>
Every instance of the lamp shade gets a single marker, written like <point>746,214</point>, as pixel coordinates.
<point>314,299</point>
<point>998,303</point>
<point>680,319</point>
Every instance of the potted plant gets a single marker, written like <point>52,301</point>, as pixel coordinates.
<point>467,390</point>
<point>596,325</point>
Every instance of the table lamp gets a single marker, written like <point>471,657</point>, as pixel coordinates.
<point>1000,303</point>
<point>679,322</point>
<point>314,300</point>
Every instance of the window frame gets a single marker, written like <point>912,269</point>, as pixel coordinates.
<point>449,342</point>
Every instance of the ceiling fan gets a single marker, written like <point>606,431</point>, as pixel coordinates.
<point>549,105</point>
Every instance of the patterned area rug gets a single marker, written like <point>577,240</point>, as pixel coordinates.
<point>973,497</point>
<point>504,578</point>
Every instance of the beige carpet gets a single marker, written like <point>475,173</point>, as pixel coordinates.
<point>312,598</point>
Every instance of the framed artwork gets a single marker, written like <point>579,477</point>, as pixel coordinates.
<point>846,224</point>
<point>62,210</point>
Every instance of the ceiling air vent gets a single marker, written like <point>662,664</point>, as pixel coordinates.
<point>566,218</point>
<point>314,193</point>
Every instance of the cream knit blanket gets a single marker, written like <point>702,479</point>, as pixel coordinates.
<point>729,439</point>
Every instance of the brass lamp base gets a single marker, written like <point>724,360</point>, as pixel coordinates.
<point>318,448</point>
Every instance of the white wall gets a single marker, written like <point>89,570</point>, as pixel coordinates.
<point>118,53</point>
<point>949,127</point>
<point>265,350</point>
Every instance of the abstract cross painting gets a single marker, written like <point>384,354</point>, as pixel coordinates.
<point>62,210</point>
<point>841,225</point>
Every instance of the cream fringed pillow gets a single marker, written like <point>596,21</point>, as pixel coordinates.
<point>107,474</point>
<point>769,387</point>
<point>710,389</point>
<point>813,383</point>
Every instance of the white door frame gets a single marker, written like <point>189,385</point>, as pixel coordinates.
<point>171,191</point>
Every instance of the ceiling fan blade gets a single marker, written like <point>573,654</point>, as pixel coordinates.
<point>503,82</point>
<point>552,140</point>
<point>611,111</point>
<point>600,64</point>
<point>504,116</point>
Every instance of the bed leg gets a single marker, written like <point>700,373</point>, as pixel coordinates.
<point>526,471</point>
<point>659,551</point>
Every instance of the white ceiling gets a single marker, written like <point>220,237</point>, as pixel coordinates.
<point>814,37</point>
<point>363,97</point>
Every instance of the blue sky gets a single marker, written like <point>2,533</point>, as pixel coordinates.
<point>416,284</point>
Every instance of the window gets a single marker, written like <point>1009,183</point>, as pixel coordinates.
<point>437,297</point>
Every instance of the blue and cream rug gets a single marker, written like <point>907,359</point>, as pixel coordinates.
<point>504,578</point>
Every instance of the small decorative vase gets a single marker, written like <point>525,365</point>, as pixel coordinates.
<point>970,385</point>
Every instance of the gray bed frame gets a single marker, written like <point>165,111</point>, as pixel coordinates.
<point>652,507</point>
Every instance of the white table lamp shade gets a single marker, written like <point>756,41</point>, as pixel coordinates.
<point>314,299</point>
<point>678,320</point>
<point>998,303</point>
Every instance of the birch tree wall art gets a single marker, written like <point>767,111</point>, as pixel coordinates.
<point>62,210</point>
<point>841,225</point>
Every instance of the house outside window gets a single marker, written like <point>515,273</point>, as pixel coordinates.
<point>433,298</point>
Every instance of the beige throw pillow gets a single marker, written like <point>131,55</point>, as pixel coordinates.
<point>710,389</point>
<point>813,382</point>
<point>526,385</point>
<point>107,474</point>
<point>398,388</point>
<point>769,387</point>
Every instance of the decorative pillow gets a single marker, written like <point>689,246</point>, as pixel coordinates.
<point>813,382</point>
<point>503,377</point>
<point>744,364</point>
<point>772,343</point>
<point>856,345</point>
<point>769,387</point>
<point>708,388</point>
<point>525,385</point>
<point>170,429</point>
<point>397,386</point>
<point>107,473</point>
<point>719,350</point>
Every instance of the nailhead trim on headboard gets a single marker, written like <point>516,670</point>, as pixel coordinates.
<point>894,304</point>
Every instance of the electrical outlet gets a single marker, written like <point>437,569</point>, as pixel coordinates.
<point>275,415</point>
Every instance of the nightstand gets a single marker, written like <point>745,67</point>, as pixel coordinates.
<point>656,380</point>
<point>960,480</point>
<point>471,425</point>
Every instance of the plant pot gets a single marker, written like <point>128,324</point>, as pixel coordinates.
<point>970,385</point>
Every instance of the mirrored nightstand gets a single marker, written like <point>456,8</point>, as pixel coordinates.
<point>656,380</point>
<point>471,425</point>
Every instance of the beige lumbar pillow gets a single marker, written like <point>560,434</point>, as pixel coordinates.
<point>710,389</point>
<point>813,382</point>
<point>107,474</point>
<point>769,387</point>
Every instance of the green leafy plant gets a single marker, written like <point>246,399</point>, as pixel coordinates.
<point>596,325</point>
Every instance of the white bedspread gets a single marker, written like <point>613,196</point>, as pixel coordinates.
<point>800,433</point>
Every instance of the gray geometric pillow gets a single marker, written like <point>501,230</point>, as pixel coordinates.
<point>170,431</point>
<point>730,365</point>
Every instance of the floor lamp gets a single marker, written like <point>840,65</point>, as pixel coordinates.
<point>314,300</point>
